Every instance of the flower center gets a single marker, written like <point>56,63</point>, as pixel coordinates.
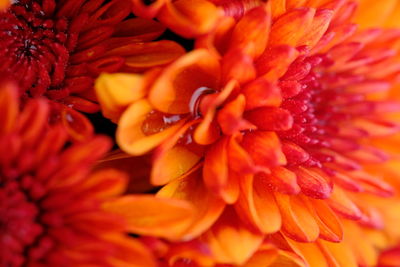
<point>35,45</point>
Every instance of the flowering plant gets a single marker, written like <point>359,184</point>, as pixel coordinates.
<point>247,133</point>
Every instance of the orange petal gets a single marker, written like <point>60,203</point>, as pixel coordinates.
<point>270,118</point>
<point>172,160</point>
<point>130,252</point>
<point>136,133</point>
<point>148,215</point>
<point>9,104</point>
<point>230,241</point>
<point>343,205</point>
<point>290,28</point>
<point>230,117</point>
<point>310,252</point>
<point>318,27</point>
<point>236,65</point>
<point>105,184</point>
<point>329,225</point>
<point>298,222</point>
<point>262,258</point>
<point>251,32</point>
<point>264,148</point>
<point>283,180</point>
<point>261,92</point>
<point>338,254</point>
<point>274,62</point>
<point>141,56</point>
<point>257,206</point>
<point>116,91</point>
<point>4,4</point>
<point>190,18</point>
<point>215,170</point>
<point>313,183</point>
<point>278,7</point>
<point>137,168</point>
<point>373,14</point>
<point>239,160</point>
<point>173,90</point>
<point>192,189</point>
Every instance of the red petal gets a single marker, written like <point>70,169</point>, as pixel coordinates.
<point>261,92</point>
<point>270,118</point>
<point>314,183</point>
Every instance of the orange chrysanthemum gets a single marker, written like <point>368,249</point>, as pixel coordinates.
<point>56,211</point>
<point>57,48</point>
<point>273,128</point>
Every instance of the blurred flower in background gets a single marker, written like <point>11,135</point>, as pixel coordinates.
<point>57,48</point>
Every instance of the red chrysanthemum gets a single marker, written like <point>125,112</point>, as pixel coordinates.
<point>57,48</point>
<point>51,210</point>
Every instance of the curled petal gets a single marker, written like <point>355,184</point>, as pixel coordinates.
<point>173,90</point>
<point>117,91</point>
<point>208,131</point>
<point>141,129</point>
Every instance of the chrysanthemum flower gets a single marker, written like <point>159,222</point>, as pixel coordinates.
<point>274,124</point>
<point>55,211</point>
<point>57,48</point>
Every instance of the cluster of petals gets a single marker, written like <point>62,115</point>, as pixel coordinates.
<point>280,127</point>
